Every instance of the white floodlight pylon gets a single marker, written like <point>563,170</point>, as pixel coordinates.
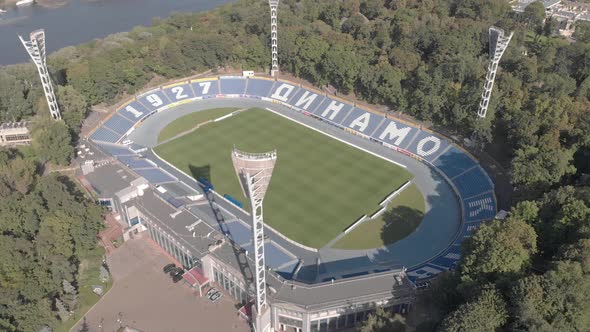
<point>274,45</point>
<point>254,170</point>
<point>36,49</point>
<point>498,44</point>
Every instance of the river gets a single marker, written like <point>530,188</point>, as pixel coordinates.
<point>80,21</point>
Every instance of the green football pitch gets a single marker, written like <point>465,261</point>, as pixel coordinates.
<point>319,186</point>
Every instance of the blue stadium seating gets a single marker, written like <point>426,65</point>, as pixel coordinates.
<point>179,92</point>
<point>259,87</point>
<point>346,265</point>
<point>454,162</point>
<point>118,124</point>
<point>450,258</point>
<point>211,87</point>
<point>472,183</point>
<point>482,207</point>
<point>275,257</point>
<point>134,162</point>
<point>105,135</point>
<point>233,86</point>
<point>134,111</point>
<point>155,175</point>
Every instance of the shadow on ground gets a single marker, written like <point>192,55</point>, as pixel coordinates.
<point>201,172</point>
<point>400,222</point>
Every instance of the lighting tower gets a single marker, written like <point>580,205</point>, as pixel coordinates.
<point>498,44</point>
<point>36,49</point>
<point>274,69</point>
<point>254,171</point>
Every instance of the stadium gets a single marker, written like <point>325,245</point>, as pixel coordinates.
<point>162,162</point>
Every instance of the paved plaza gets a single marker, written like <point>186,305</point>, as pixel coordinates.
<point>144,298</point>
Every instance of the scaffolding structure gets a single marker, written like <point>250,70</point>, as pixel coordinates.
<point>254,170</point>
<point>36,49</point>
<point>498,44</point>
<point>274,69</point>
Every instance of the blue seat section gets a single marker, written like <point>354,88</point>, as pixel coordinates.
<point>238,232</point>
<point>118,124</point>
<point>105,135</point>
<point>362,121</point>
<point>454,162</point>
<point>468,229</point>
<point>179,92</point>
<point>233,86</point>
<point>155,175</point>
<point>307,273</point>
<point>472,183</point>
<point>450,258</point>
<point>287,270</point>
<point>276,256</point>
<point>153,100</point>
<point>205,88</point>
<point>427,145</point>
<point>259,87</point>
<point>306,100</point>
<point>134,111</point>
<point>115,150</point>
<point>135,163</point>
<point>482,207</point>
<point>333,110</point>
<point>395,133</point>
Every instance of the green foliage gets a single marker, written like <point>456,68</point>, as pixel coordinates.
<point>384,321</point>
<point>46,226</point>
<point>486,312</point>
<point>498,247</point>
<point>52,142</point>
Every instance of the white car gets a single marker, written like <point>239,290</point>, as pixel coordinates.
<point>215,297</point>
<point>211,291</point>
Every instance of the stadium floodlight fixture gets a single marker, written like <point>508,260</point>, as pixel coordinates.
<point>36,49</point>
<point>274,45</point>
<point>254,171</point>
<point>498,44</point>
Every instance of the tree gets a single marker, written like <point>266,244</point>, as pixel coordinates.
<point>534,15</point>
<point>62,311</point>
<point>498,247</point>
<point>73,107</point>
<point>384,321</point>
<point>53,143</point>
<point>486,313</point>
<point>70,296</point>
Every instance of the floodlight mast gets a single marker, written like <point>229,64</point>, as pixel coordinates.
<point>274,69</point>
<point>254,170</point>
<point>36,49</point>
<point>498,44</point>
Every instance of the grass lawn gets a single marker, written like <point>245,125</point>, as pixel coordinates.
<point>404,214</point>
<point>89,273</point>
<point>189,121</point>
<point>319,186</point>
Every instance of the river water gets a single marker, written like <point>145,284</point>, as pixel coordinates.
<point>82,20</point>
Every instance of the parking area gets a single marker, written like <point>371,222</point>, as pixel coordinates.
<point>144,298</point>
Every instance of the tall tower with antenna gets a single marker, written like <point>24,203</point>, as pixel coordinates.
<point>498,44</point>
<point>36,49</point>
<point>274,69</point>
<point>254,171</point>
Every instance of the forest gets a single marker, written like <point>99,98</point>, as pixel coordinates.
<point>425,59</point>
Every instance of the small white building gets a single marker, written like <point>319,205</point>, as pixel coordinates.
<point>14,133</point>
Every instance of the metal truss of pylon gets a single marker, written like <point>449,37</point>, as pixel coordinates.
<point>254,170</point>
<point>274,69</point>
<point>498,44</point>
<point>36,49</point>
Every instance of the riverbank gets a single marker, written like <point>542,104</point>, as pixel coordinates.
<point>7,4</point>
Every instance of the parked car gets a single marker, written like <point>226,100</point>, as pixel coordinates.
<point>169,267</point>
<point>176,271</point>
<point>211,291</point>
<point>215,297</point>
<point>177,278</point>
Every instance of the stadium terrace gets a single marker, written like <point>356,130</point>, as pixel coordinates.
<point>307,290</point>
